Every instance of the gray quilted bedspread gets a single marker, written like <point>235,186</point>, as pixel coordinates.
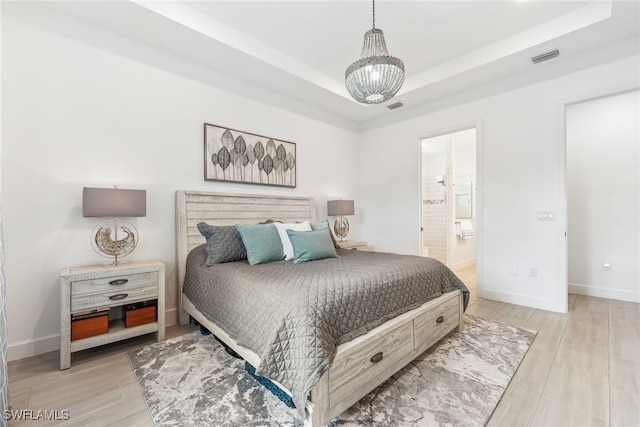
<point>295,315</point>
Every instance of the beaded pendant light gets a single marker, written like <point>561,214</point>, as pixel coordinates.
<point>375,77</point>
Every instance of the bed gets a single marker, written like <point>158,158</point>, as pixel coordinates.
<point>330,377</point>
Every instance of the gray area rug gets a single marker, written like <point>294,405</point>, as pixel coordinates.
<point>191,381</point>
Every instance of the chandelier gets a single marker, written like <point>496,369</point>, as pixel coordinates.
<point>375,77</point>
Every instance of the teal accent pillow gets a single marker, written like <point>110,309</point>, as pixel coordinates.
<point>324,225</point>
<point>262,243</point>
<point>311,245</point>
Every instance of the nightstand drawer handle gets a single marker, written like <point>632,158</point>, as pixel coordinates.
<point>440,319</point>
<point>118,282</point>
<point>118,296</point>
<point>377,357</point>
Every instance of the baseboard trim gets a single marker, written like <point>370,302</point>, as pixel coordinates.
<point>171,317</point>
<point>525,300</point>
<point>600,292</point>
<point>465,263</point>
<point>33,347</point>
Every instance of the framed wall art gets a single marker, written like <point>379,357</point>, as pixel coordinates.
<point>235,156</point>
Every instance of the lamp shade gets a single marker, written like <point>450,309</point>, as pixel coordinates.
<point>116,202</point>
<point>340,207</point>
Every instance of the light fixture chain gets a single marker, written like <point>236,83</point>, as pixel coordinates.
<point>374,13</point>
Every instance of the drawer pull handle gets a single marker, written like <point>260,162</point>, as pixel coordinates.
<point>118,282</point>
<point>440,319</point>
<point>118,296</point>
<point>377,357</point>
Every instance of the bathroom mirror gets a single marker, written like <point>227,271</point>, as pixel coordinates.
<point>464,197</point>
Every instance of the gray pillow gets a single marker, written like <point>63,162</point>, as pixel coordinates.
<point>321,226</point>
<point>262,243</point>
<point>311,245</point>
<point>223,243</point>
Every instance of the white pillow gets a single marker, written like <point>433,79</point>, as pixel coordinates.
<point>282,231</point>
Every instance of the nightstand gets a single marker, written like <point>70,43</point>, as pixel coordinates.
<point>352,244</point>
<point>86,291</point>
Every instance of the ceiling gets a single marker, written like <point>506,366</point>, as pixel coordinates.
<point>299,50</point>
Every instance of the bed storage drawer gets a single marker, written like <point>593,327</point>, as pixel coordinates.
<point>352,369</point>
<point>429,327</point>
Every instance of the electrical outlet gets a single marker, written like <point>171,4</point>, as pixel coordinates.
<point>533,271</point>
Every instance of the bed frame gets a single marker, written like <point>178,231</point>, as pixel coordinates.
<point>360,365</point>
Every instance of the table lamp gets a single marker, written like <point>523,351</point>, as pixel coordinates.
<point>339,208</point>
<point>116,203</point>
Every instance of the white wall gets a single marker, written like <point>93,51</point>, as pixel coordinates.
<point>521,170</point>
<point>603,196</point>
<point>75,115</point>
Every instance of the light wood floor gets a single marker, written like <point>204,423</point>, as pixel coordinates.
<point>583,369</point>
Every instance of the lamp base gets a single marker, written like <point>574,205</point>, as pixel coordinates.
<point>341,227</point>
<point>109,247</point>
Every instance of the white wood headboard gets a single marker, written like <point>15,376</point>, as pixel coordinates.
<point>193,207</point>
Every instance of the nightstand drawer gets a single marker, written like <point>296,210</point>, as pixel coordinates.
<point>113,298</point>
<point>116,284</point>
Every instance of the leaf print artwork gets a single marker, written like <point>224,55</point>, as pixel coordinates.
<point>285,168</point>
<point>291,162</point>
<point>271,148</point>
<point>281,156</point>
<point>259,150</point>
<point>251,158</point>
<point>214,162</point>
<point>260,168</point>
<point>242,157</point>
<point>268,165</point>
<point>235,161</point>
<point>227,140</point>
<point>240,146</point>
<point>224,159</point>
<point>213,146</point>
<point>244,163</point>
<point>277,165</point>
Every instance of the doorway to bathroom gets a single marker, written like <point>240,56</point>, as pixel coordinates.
<point>449,198</point>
